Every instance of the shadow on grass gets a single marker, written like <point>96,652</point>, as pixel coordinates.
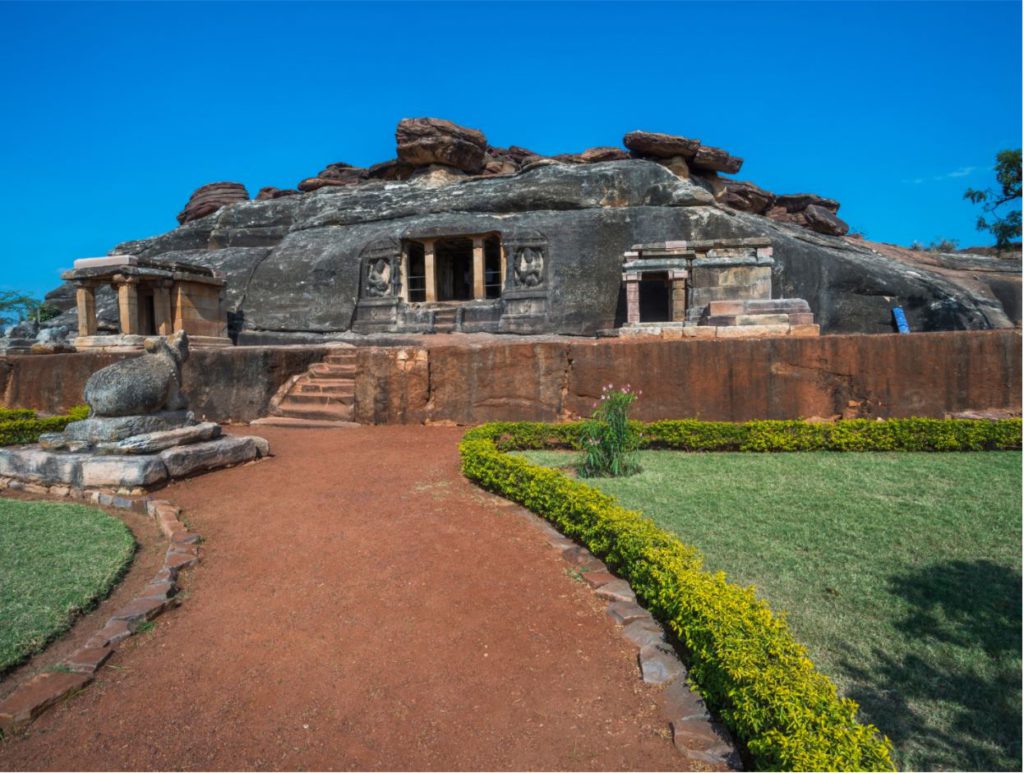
<point>951,698</point>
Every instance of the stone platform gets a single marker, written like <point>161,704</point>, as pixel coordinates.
<point>146,460</point>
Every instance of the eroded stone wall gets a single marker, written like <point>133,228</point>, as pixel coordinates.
<point>229,384</point>
<point>926,374</point>
<point>922,374</point>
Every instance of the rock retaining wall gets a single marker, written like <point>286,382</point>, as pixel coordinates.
<point>922,374</point>
<point>926,374</point>
<point>229,384</point>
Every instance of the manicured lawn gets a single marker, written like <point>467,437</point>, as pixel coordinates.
<point>55,561</point>
<point>901,573</point>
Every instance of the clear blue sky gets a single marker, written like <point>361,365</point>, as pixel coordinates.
<point>114,113</point>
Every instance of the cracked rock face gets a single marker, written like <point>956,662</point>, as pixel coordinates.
<point>293,263</point>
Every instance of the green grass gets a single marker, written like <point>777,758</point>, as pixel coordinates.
<point>56,560</point>
<point>900,572</point>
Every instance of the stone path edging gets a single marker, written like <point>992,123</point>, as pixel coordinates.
<point>695,733</point>
<point>36,695</point>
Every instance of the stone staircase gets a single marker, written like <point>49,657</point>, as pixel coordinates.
<point>324,393</point>
<point>444,319</point>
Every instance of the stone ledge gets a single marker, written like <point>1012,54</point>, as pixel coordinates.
<point>35,696</point>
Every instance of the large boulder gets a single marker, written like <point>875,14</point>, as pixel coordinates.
<point>426,141</point>
<point>656,145</point>
<point>209,198</point>
<point>798,202</point>
<point>824,221</point>
<point>293,264</point>
<point>746,197</point>
<point>715,160</point>
<point>335,175</point>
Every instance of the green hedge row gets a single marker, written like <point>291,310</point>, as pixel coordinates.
<point>743,659</point>
<point>762,436</point>
<point>27,429</point>
<point>9,414</point>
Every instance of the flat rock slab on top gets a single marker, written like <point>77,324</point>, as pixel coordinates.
<point>154,442</point>
<point>107,429</point>
<point>80,470</point>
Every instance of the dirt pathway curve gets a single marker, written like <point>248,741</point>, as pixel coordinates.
<point>360,605</point>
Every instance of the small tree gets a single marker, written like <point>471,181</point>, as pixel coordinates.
<point>18,307</point>
<point>1005,228</point>
<point>609,442</point>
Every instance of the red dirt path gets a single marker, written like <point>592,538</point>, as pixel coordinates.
<point>360,605</point>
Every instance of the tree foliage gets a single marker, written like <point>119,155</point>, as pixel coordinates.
<point>1006,227</point>
<point>18,307</point>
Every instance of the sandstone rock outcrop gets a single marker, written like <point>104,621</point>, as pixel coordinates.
<point>658,145</point>
<point>271,192</point>
<point>746,197</point>
<point>426,141</point>
<point>207,199</point>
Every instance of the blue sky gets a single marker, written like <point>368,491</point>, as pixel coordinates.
<point>114,113</point>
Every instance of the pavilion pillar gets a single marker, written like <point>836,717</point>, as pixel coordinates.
<point>428,270</point>
<point>632,298</point>
<point>678,279</point>
<point>162,310</point>
<point>128,305</point>
<point>479,288</point>
<point>85,299</point>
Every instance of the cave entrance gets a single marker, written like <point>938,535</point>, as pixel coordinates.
<point>454,269</point>
<point>655,297</point>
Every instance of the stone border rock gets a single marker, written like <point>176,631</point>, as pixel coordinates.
<point>33,697</point>
<point>695,733</point>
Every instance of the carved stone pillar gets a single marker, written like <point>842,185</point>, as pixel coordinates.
<point>128,305</point>
<point>428,270</point>
<point>85,297</point>
<point>678,295</point>
<point>162,322</point>
<point>632,298</point>
<point>479,289</point>
<point>403,275</point>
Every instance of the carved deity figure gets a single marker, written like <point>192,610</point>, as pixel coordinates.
<point>529,266</point>
<point>378,278</point>
<point>141,385</point>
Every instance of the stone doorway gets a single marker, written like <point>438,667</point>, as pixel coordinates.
<point>454,269</point>
<point>655,297</point>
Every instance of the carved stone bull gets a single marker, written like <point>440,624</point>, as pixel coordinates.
<point>142,385</point>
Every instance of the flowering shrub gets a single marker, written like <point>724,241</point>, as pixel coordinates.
<point>608,439</point>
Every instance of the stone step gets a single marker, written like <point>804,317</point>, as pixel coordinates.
<point>302,399</point>
<point>336,387</point>
<point>292,421</point>
<point>330,370</point>
<point>335,412</point>
<point>341,358</point>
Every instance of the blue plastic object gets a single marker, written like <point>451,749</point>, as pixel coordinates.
<point>900,319</point>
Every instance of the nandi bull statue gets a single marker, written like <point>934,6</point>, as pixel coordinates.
<point>142,385</point>
<point>139,433</point>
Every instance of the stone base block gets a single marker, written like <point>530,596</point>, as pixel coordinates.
<point>154,442</point>
<point>92,470</point>
<point>107,429</point>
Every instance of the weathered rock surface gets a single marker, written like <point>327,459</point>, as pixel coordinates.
<point>110,429</point>
<point>797,202</point>
<point>293,263</point>
<point>824,221</point>
<point>746,197</point>
<point>715,160</point>
<point>270,192</point>
<point>425,141</point>
<point>209,198</point>
<point>659,145</point>
<point>154,442</point>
